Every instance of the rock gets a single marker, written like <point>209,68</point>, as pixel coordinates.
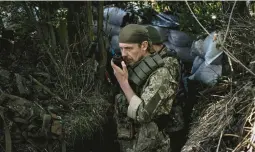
<point>39,93</point>
<point>22,88</point>
<point>4,77</point>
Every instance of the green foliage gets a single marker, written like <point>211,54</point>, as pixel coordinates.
<point>58,16</point>
<point>209,13</point>
<point>204,11</point>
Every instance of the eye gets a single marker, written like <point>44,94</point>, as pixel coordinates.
<point>128,48</point>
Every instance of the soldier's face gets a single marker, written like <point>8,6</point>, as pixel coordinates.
<point>133,52</point>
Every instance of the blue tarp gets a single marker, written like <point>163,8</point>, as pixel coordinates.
<point>207,74</point>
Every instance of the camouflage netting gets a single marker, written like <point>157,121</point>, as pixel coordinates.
<point>224,116</point>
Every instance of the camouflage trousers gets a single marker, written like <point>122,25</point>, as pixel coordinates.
<point>148,139</point>
<point>145,137</point>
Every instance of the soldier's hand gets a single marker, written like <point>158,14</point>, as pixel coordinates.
<point>120,74</point>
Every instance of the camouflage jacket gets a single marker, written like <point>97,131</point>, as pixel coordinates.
<point>155,97</point>
<point>176,116</point>
<point>171,63</point>
<point>153,101</point>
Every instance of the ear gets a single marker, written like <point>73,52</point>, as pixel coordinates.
<point>144,45</point>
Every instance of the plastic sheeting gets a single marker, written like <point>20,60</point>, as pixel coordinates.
<point>163,32</point>
<point>115,16</point>
<point>196,64</point>
<point>115,49</point>
<point>115,42</point>
<point>179,38</point>
<point>183,53</point>
<point>208,50</point>
<point>212,53</point>
<point>207,74</point>
<point>197,49</point>
<point>109,29</point>
<point>165,20</point>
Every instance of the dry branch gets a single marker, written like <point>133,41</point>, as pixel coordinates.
<point>50,92</point>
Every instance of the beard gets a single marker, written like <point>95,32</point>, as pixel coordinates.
<point>127,60</point>
<point>131,61</point>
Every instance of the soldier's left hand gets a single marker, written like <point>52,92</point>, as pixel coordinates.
<point>120,74</point>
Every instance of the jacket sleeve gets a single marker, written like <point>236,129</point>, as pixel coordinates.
<point>156,97</point>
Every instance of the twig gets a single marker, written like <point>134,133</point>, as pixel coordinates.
<point>252,144</point>
<point>230,64</point>
<point>231,135</point>
<point>231,75</point>
<point>217,150</point>
<point>229,23</point>
<point>251,139</point>
<point>225,51</point>
<point>196,18</point>
<point>229,61</point>
<point>48,91</point>
<point>236,60</point>
<point>244,140</point>
<point>13,97</point>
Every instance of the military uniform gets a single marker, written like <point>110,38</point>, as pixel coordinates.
<point>177,128</point>
<point>172,64</point>
<point>176,122</point>
<point>141,124</point>
<point>156,98</point>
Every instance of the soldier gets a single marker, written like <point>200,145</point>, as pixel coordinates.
<point>157,43</point>
<point>159,47</point>
<point>178,126</point>
<point>148,91</point>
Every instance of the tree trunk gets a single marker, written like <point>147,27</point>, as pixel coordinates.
<point>1,23</point>
<point>52,40</point>
<point>63,34</point>
<point>101,45</point>
<point>89,30</point>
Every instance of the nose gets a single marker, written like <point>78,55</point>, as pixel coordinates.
<point>123,52</point>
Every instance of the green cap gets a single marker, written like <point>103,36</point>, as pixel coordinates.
<point>133,33</point>
<point>154,35</point>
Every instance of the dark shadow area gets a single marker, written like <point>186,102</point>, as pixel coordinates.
<point>102,141</point>
<point>179,138</point>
